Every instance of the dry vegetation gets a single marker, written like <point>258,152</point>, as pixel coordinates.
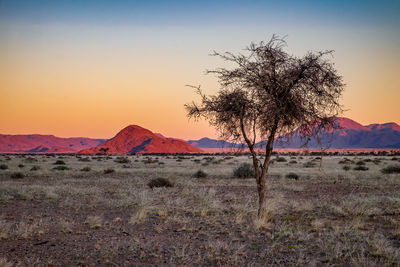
<point>100,210</point>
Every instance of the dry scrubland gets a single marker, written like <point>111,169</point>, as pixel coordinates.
<point>100,211</point>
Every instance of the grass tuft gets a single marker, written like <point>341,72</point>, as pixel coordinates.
<point>159,182</point>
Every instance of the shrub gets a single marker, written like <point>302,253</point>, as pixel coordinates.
<point>30,160</point>
<point>59,162</point>
<point>122,160</point>
<point>200,174</point>
<point>292,162</point>
<point>21,165</point>
<point>3,167</point>
<point>309,164</point>
<point>346,160</point>
<point>17,175</point>
<point>391,169</point>
<point>35,168</point>
<point>376,161</point>
<point>360,163</point>
<point>159,182</point>
<point>86,169</point>
<point>281,159</point>
<point>61,168</point>
<point>149,161</point>
<point>346,167</point>
<point>87,159</point>
<point>109,170</point>
<point>360,168</point>
<point>244,170</point>
<point>292,175</point>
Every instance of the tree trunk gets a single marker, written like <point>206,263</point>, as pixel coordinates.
<point>263,177</point>
<point>262,181</point>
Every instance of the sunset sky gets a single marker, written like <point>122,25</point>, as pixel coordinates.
<point>90,68</point>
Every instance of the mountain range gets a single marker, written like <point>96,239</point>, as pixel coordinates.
<point>135,139</point>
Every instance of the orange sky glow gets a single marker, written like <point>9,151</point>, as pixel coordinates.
<point>92,80</point>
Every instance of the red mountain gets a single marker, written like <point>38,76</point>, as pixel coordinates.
<point>350,135</point>
<point>135,139</point>
<point>37,143</point>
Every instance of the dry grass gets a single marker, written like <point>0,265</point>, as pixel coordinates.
<point>329,217</point>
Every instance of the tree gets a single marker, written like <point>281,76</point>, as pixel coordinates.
<point>269,94</point>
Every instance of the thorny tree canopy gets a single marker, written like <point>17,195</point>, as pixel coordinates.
<point>270,90</point>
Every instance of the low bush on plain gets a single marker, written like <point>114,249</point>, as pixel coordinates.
<point>122,160</point>
<point>309,164</point>
<point>391,169</point>
<point>61,168</point>
<point>108,171</point>
<point>159,182</point>
<point>292,175</point>
<point>3,167</point>
<point>59,162</point>
<point>346,167</point>
<point>17,175</point>
<point>35,168</point>
<point>361,168</point>
<point>86,169</point>
<point>200,174</point>
<point>244,170</point>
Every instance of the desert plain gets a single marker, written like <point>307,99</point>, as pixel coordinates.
<point>99,210</point>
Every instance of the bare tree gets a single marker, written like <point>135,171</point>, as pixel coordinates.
<point>269,94</point>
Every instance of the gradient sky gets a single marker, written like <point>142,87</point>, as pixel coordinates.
<point>90,68</point>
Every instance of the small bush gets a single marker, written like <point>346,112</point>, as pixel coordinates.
<point>109,170</point>
<point>159,182</point>
<point>391,169</point>
<point>30,160</point>
<point>86,169</point>
<point>345,161</point>
<point>3,167</point>
<point>292,162</point>
<point>281,159</point>
<point>61,168</point>
<point>292,175</point>
<point>361,168</point>
<point>346,167</point>
<point>87,159</point>
<point>309,164</point>
<point>244,170</point>
<point>59,162</point>
<point>200,174</point>
<point>122,160</point>
<point>17,175</point>
<point>149,161</point>
<point>35,168</point>
<point>360,163</point>
<point>21,165</point>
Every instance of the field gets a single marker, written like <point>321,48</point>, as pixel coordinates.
<point>99,210</point>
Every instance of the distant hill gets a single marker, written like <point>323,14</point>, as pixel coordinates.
<point>206,142</point>
<point>37,143</point>
<point>135,139</point>
<point>351,135</point>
